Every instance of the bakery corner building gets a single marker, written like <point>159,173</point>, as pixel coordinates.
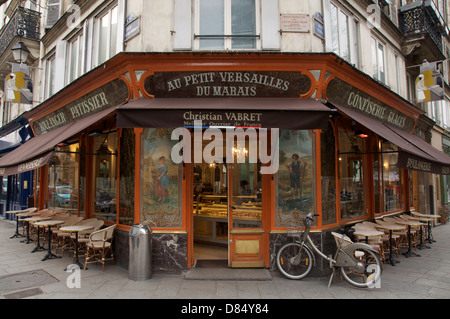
<point>263,140</point>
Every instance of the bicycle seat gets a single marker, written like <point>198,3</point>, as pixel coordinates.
<point>346,231</point>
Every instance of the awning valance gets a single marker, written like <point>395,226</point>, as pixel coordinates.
<point>414,153</point>
<point>224,112</point>
<point>38,151</point>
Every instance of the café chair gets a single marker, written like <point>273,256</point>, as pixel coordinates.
<point>100,243</point>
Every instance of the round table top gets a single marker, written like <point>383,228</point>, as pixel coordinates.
<point>391,226</point>
<point>425,215</point>
<point>409,222</point>
<point>52,222</point>
<point>422,219</point>
<point>26,214</point>
<point>37,219</point>
<point>76,228</point>
<point>368,232</point>
<point>16,211</point>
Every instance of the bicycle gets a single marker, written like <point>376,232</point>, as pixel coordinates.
<point>359,263</point>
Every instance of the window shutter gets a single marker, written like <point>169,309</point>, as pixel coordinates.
<point>270,25</point>
<point>182,26</point>
<point>53,11</point>
<point>60,65</point>
<point>394,12</point>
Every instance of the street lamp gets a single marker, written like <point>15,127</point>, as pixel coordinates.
<point>20,52</point>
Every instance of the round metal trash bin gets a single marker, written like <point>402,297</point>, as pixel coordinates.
<point>140,259</point>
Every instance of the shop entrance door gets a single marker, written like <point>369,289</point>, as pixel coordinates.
<point>228,221</point>
<point>245,212</point>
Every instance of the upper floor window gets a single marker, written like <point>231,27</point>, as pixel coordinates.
<point>378,61</point>
<point>49,88</point>
<point>341,32</point>
<point>107,27</point>
<point>227,24</point>
<point>75,57</point>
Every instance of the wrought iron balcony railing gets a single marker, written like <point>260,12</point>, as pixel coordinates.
<point>418,18</point>
<point>24,23</point>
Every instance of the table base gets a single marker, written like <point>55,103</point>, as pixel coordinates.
<point>50,255</point>
<point>410,253</point>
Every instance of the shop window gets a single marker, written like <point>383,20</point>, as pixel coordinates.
<point>105,176</point>
<point>392,182</point>
<point>226,24</point>
<point>63,179</point>
<point>295,178</point>
<point>328,155</point>
<point>351,173</point>
<point>160,179</point>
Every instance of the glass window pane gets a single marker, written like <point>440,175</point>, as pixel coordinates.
<point>104,177</point>
<point>243,22</point>
<point>392,184</point>
<point>212,15</point>
<point>374,59</point>
<point>63,180</point>
<point>103,39</point>
<point>74,54</point>
<point>113,44</point>
<point>295,178</point>
<point>352,175</point>
<point>334,29</point>
<point>381,63</point>
<point>246,200</point>
<point>344,36</point>
<point>160,179</point>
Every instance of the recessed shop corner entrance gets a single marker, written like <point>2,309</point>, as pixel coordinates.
<point>227,210</point>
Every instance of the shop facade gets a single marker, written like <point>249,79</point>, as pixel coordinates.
<point>221,154</point>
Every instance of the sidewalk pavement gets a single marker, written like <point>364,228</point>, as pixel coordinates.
<point>425,277</point>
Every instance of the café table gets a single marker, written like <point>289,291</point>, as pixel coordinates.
<point>26,215</point>
<point>416,214</point>
<point>368,233</point>
<point>76,229</point>
<point>16,212</point>
<point>428,221</point>
<point>409,223</point>
<point>391,228</point>
<point>38,246</point>
<point>49,224</point>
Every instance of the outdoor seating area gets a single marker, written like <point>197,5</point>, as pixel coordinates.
<point>391,236</point>
<point>58,232</point>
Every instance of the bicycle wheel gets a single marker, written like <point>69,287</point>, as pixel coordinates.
<point>367,271</point>
<point>289,267</point>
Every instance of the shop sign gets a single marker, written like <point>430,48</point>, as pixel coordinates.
<point>412,162</point>
<point>346,95</point>
<point>429,83</point>
<point>18,84</point>
<point>210,84</point>
<point>109,95</point>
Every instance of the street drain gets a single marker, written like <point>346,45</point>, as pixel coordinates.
<point>24,281</point>
<point>24,293</point>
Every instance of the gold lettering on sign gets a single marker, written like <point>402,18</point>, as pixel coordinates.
<point>89,105</point>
